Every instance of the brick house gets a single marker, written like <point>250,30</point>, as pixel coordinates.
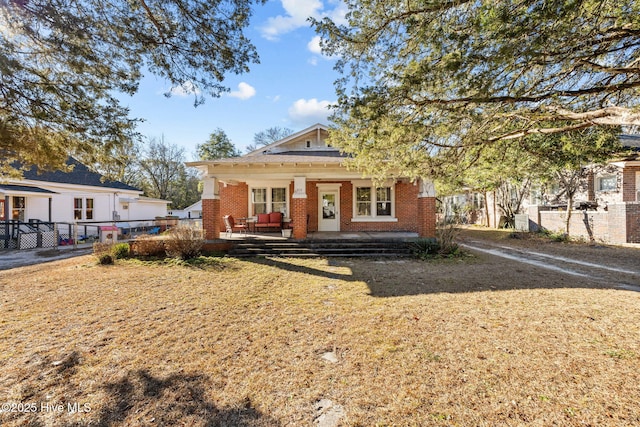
<point>306,180</point>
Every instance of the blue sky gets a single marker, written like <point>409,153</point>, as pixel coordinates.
<point>291,87</point>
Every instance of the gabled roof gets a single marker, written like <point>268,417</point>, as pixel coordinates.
<point>79,175</point>
<point>293,136</point>
<point>10,188</point>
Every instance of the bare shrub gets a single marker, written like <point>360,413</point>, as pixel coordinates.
<point>184,242</point>
<point>103,252</point>
<point>447,235</point>
<point>146,246</point>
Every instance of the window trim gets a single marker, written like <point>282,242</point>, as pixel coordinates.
<point>602,178</point>
<point>269,198</point>
<point>84,208</point>
<point>17,210</point>
<point>373,202</point>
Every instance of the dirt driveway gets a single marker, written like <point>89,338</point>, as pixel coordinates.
<point>610,266</point>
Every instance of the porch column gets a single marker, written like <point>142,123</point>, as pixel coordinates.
<point>427,209</point>
<point>299,207</point>
<point>211,207</point>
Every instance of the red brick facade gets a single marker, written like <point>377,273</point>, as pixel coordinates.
<point>211,218</point>
<point>629,183</point>
<point>299,218</point>
<point>413,213</point>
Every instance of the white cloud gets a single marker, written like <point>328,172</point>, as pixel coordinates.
<point>245,91</point>
<point>314,46</point>
<point>185,89</point>
<point>297,13</point>
<point>305,112</point>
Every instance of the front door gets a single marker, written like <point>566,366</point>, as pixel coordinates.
<point>329,210</point>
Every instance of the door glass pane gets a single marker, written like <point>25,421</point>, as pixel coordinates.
<point>328,206</point>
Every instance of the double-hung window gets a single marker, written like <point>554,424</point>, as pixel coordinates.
<point>82,208</point>
<point>373,203</point>
<point>18,208</point>
<point>266,200</point>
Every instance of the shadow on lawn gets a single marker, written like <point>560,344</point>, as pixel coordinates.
<point>178,399</point>
<point>394,277</point>
<point>139,398</point>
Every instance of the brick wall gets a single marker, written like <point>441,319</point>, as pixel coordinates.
<point>299,218</point>
<point>211,218</point>
<point>633,222</point>
<point>234,201</point>
<point>619,224</point>
<point>629,183</point>
<point>427,217</point>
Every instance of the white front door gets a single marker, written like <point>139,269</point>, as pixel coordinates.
<point>329,210</point>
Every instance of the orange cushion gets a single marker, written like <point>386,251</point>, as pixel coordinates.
<point>275,218</point>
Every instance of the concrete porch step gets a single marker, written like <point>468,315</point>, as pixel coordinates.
<point>350,248</point>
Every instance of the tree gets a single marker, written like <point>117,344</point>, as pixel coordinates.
<point>438,77</point>
<point>565,159</point>
<point>62,64</point>
<point>161,168</point>
<point>218,146</point>
<point>510,168</point>
<point>268,136</point>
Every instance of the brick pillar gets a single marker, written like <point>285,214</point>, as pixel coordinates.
<point>299,217</point>
<point>299,207</point>
<point>211,207</point>
<point>211,218</point>
<point>427,216</point>
<point>427,209</point>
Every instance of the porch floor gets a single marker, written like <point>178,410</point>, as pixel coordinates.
<point>324,235</point>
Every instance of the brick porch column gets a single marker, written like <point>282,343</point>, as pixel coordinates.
<point>211,208</point>
<point>299,207</point>
<point>427,209</point>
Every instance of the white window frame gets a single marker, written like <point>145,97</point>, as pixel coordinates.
<point>84,208</point>
<point>374,202</point>
<point>269,189</point>
<point>604,177</point>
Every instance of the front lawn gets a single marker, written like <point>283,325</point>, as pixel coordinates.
<point>261,342</point>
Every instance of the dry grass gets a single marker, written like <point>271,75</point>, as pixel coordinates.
<point>240,343</point>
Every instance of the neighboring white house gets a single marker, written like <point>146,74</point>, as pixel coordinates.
<point>79,195</point>
<point>190,212</point>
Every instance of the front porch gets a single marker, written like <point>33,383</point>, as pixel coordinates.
<point>319,244</point>
<point>325,235</point>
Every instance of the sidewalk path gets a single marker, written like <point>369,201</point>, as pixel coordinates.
<point>19,258</point>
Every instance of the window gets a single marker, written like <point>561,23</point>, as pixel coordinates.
<point>2,218</point>
<point>383,201</point>
<point>89,210</point>
<point>363,201</point>
<point>259,200</point>
<point>373,204</point>
<point>82,208</point>
<point>279,200</point>
<point>18,209</point>
<point>266,200</point>
<point>608,183</point>
<point>77,208</point>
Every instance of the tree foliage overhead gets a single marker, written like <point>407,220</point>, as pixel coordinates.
<point>422,78</point>
<point>63,62</point>
<point>218,146</point>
